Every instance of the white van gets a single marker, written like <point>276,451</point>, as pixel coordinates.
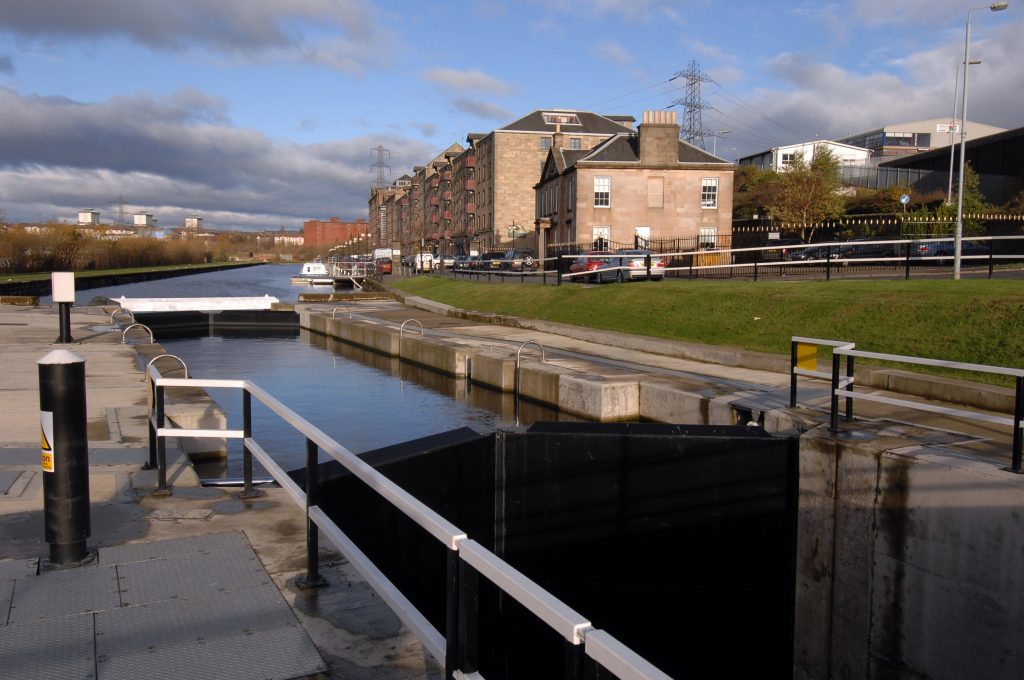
<point>423,262</point>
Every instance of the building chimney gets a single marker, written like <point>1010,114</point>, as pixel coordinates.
<point>558,139</point>
<point>659,138</point>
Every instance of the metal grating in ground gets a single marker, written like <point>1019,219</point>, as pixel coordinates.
<point>276,654</point>
<point>174,622</point>
<point>11,569</point>
<point>65,593</point>
<point>137,552</point>
<point>7,480</point>
<point>57,649</point>
<point>6,591</point>
<point>164,579</point>
<point>205,607</point>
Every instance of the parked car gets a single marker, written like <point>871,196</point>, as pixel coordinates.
<point>491,260</point>
<point>781,249</point>
<point>384,265</point>
<point>462,262</point>
<point>628,264</point>
<point>943,252</point>
<point>423,262</point>
<point>444,262</point>
<point>864,248</point>
<point>812,252</point>
<point>585,266</point>
<point>519,260</point>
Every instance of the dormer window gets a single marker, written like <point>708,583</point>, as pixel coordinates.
<point>559,118</point>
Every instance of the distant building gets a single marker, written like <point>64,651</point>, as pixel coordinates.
<point>194,222</point>
<point>89,216</point>
<point>634,189</point>
<point>995,158</point>
<point>779,157</point>
<point>904,139</point>
<point>144,219</point>
<point>333,231</point>
<point>469,198</point>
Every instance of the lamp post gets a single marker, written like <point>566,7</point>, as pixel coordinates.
<point>953,127</point>
<point>958,240</point>
<point>714,145</point>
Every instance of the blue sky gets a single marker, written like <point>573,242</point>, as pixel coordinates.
<point>258,114</point>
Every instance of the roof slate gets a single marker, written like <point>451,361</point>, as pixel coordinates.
<point>590,123</point>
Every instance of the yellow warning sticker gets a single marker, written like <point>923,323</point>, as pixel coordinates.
<point>46,439</point>
<point>806,356</point>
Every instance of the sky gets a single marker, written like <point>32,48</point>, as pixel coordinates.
<point>260,114</point>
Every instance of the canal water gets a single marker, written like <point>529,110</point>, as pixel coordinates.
<point>361,399</point>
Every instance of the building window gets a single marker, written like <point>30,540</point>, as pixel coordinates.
<point>708,237</point>
<point>655,192</point>
<point>545,143</point>
<point>560,118</point>
<point>787,160</point>
<point>575,143</point>
<point>709,192</point>
<point>601,237</point>
<point>602,192</point>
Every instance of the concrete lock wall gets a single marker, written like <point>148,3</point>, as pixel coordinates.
<point>909,561</point>
<point>441,355</point>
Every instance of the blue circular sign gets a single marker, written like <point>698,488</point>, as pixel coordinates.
<point>904,199</point>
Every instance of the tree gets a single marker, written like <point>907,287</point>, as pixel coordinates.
<point>808,192</point>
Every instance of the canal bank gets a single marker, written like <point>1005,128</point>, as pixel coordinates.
<point>87,281</point>
<point>908,530</point>
<point>222,566</point>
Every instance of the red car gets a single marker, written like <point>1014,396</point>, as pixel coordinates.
<point>384,265</point>
<point>585,264</point>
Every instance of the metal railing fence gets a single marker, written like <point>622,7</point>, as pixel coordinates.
<point>453,647</point>
<point>842,387</point>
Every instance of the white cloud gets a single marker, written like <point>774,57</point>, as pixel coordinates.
<point>482,109</point>
<point>466,81</point>
<point>178,152</point>
<point>348,39</point>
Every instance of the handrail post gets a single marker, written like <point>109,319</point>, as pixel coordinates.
<point>647,265</point>
<point>849,386</point>
<point>792,374</point>
<point>452,628</point>
<point>162,488</point>
<point>991,256</point>
<point>312,579</point>
<point>834,411</point>
<point>572,668</point>
<point>828,263</point>
<point>1018,416</point>
<point>247,489</point>
<point>151,464</point>
<point>906,276</point>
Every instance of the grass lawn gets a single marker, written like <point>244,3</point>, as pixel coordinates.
<point>977,321</point>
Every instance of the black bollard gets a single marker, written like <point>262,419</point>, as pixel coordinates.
<point>65,456</point>
<point>63,288</point>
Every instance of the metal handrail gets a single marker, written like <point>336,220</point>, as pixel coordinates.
<point>119,310</point>
<point>529,342</point>
<point>795,370</point>
<point>401,329</point>
<point>169,356</point>
<point>334,312</point>
<point>124,333</point>
<point>599,645</point>
<point>1016,464</point>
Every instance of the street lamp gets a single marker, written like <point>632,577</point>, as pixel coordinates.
<point>953,127</point>
<point>957,241</point>
<point>714,145</point>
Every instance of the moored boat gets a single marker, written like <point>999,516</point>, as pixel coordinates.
<point>314,274</point>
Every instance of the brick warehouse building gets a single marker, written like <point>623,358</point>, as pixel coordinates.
<point>332,232</point>
<point>469,198</point>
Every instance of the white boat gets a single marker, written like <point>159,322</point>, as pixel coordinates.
<point>314,274</point>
